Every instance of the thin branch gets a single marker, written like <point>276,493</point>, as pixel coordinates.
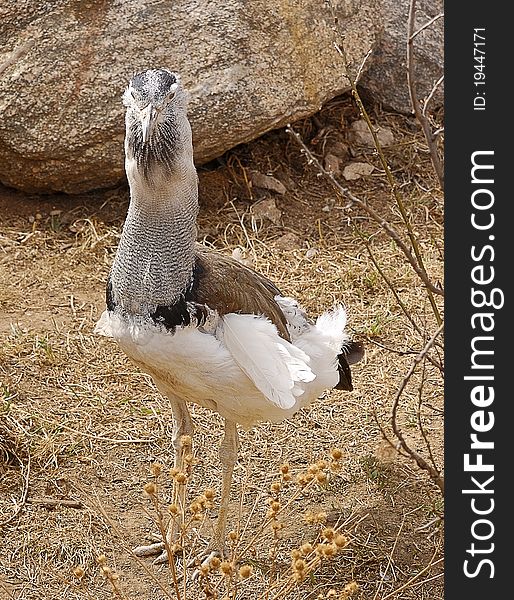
<point>434,473</point>
<point>392,183</point>
<point>411,83</point>
<point>405,311</point>
<point>54,502</point>
<point>429,97</point>
<point>420,422</point>
<point>388,228</point>
<point>427,24</point>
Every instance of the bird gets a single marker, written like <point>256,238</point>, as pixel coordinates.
<point>208,329</point>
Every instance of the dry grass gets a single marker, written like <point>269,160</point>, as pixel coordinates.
<point>79,423</point>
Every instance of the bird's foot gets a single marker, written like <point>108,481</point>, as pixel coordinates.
<point>157,548</point>
<point>204,562</point>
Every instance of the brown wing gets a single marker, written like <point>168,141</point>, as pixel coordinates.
<point>228,286</point>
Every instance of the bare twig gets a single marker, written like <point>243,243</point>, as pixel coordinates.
<point>427,101</point>
<point>427,24</point>
<point>420,422</point>
<point>54,503</point>
<point>388,228</point>
<point>434,473</point>
<point>392,183</point>
<point>430,564</point>
<point>405,311</point>
<point>411,82</point>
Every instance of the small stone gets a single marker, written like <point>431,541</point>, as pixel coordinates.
<point>356,170</point>
<point>267,182</point>
<point>339,149</point>
<point>267,209</point>
<point>361,134</point>
<point>332,163</point>
<point>288,241</point>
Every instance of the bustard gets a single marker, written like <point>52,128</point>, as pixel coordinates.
<point>206,328</point>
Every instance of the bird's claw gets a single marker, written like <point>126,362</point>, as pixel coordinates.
<point>204,561</point>
<point>152,550</point>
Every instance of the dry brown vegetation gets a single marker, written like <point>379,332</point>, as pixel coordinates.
<point>80,427</point>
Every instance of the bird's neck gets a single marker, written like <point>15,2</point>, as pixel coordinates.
<point>155,257</point>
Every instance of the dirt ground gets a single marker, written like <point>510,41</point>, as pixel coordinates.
<point>80,426</point>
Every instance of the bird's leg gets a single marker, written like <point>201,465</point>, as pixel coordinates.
<point>228,455</point>
<point>182,429</point>
<point>182,440</point>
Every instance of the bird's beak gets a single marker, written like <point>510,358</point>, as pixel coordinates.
<point>148,116</point>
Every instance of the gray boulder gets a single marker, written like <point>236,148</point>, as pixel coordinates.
<point>386,76</point>
<point>249,66</point>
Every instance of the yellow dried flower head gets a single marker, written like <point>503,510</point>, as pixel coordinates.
<point>302,479</point>
<point>156,469</point>
<point>276,487</point>
<point>226,568</point>
<point>350,589</point>
<point>328,533</point>
<point>306,548</point>
<point>299,564</point>
<point>313,469</point>
<point>215,562</point>
<point>78,572</point>
<point>321,477</point>
<point>195,507</point>
<point>203,570</point>
<point>173,509</point>
<point>295,554</point>
<point>245,571</point>
<point>329,549</point>
<point>106,570</point>
<point>321,464</point>
<point>340,540</point>
<point>180,477</point>
<point>102,559</point>
<point>286,477</point>
<point>277,526</point>
<point>331,594</point>
<point>284,468</point>
<point>150,488</point>
<point>209,493</point>
<point>274,506</point>
<point>232,536</point>
<point>336,453</point>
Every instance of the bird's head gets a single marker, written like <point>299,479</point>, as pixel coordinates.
<point>157,128</point>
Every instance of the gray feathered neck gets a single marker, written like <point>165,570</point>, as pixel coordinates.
<point>154,261</point>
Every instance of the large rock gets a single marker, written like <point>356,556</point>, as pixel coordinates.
<point>250,67</point>
<point>386,78</point>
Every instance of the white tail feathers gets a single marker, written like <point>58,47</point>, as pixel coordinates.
<point>276,367</point>
<point>331,325</point>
